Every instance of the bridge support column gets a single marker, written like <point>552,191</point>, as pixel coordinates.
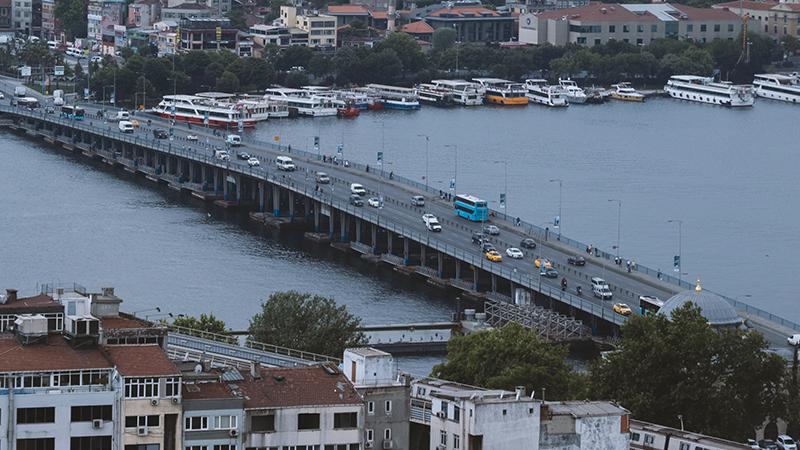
<point>389,241</point>
<point>291,205</point>
<point>316,216</point>
<point>238,179</point>
<point>513,291</point>
<point>458,269</point>
<point>494,283</point>
<point>422,257</point>
<point>374,240</point>
<point>332,223</point>
<point>276,200</point>
<point>307,207</point>
<point>225,185</point>
<point>406,251</point>
<point>343,227</point>
<point>358,229</point>
<point>475,278</point>
<point>440,264</point>
<point>204,174</point>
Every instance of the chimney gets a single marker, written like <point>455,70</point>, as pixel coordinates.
<point>520,390</point>
<point>60,292</point>
<point>255,370</point>
<point>11,295</point>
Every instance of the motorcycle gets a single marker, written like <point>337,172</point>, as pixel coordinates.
<point>563,284</point>
<point>578,290</point>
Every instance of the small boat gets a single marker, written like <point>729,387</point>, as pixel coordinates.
<point>434,95</point>
<point>705,90</point>
<point>572,91</point>
<point>401,103</point>
<point>502,92</point>
<point>348,111</point>
<point>461,92</point>
<point>394,97</point>
<point>624,91</point>
<point>540,92</point>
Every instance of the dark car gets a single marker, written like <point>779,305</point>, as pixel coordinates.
<point>488,246</point>
<point>356,200</point>
<point>768,444</point>
<point>158,133</point>
<point>528,243</point>
<point>576,260</point>
<point>478,238</point>
<point>243,156</point>
<point>549,273</point>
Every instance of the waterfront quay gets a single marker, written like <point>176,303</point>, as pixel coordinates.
<point>393,235</point>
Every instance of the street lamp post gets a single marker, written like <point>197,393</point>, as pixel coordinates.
<point>427,148</point>
<point>619,220</point>
<point>455,168</point>
<point>505,187</point>
<point>560,221</point>
<point>679,265</point>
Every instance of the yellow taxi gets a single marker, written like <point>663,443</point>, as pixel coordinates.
<point>623,309</point>
<point>547,263</point>
<point>493,255</point>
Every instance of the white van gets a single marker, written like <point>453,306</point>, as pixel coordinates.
<point>357,189</point>
<point>74,52</point>
<point>118,115</point>
<point>285,163</point>
<point>52,45</point>
<point>234,140</point>
<point>125,126</point>
<point>600,289</point>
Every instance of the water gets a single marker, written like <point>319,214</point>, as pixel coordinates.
<point>728,174</point>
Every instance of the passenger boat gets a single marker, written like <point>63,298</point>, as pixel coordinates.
<point>706,90</point>
<point>624,91</point>
<point>394,97</point>
<point>200,110</point>
<point>360,100</point>
<point>462,92</point>
<point>348,111</point>
<point>778,86</point>
<point>259,108</point>
<point>502,92</point>
<point>302,102</point>
<point>431,94</point>
<point>542,93</point>
<point>572,91</point>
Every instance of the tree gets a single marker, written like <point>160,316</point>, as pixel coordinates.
<point>72,14</point>
<point>407,49</point>
<point>443,38</point>
<point>296,79</point>
<point>508,357</point>
<point>294,56</point>
<point>227,82</point>
<point>238,18</point>
<point>206,324</point>
<point>306,322</point>
<point>721,382</point>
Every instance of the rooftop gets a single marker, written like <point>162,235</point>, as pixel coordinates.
<point>706,13</point>
<point>368,351</point>
<point>580,409</point>
<point>52,354</point>
<point>189,7</point>
<point>123,322</point>
<point>348,10</point>
<point>208,391</point>
<point>298,386</point>
<point>37,303</point>
<point>687,435</point>
<point>419,27</point>
<point>747,4</point>
<point>141,360</point>
<point>595,11</point>
<point>716,310</point>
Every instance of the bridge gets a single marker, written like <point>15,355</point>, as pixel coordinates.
<point>393,234</point>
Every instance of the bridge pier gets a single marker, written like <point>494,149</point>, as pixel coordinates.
<point>374,237</point>
<point>406,251</point>
<point>458,269</point>
<point>474,278</point>
<point>358,229</point>
<point>422,257</point>
<point>238,181</point>
<point>389,240</point>
<point>494,282</point>
<point>440,264</point>
<point>291,205</point>
<point>316,216</point>
<point>343,219</point>
<point>276,200</point>
<point>332,222</point>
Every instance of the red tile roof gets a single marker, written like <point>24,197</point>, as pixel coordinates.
<point>124,323</point>
<point>207,391</point>
<point>464,12</point>
<point>298,386</point>
<point>52,354</point>
<point>39,303</point>
<point>348,10</point>
<point>419,27</point>
<point>705,13</point>
<point>380,15</point>
<point>141,360</point>
<point>747,4</point>
<point>598,12</point>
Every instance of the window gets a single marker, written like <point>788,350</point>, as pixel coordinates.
<point>172,387</point>
<point>581,40</point>
<point>143,447</point>
<point>388,407</point>
<point>196,447</point>
<point>262,424</point>
<point>703,28</point>
<point>196,423</point>
<point>445,408</point>
<point>308,421</point>
<point>90,443</point>
<point>456,413</point>
<point>36,415</point>
<point>649,439</point>
<point>612,28</point>
<point>456,441</point>
<point>684,446</point>
<point>635,437</point>
<point>387,434</point>
<point>626,29</point>
<point>730,28</point>
<point>370,435</point>
<point>142,421</point>
<point>141,387</point>
<point>345,420</point>
<point>639,41</point>
<point>226,447</point>
<point>443,437</point>
<point>89,413</point>
<point>640,28</point>
<point>225,422</point>
<point>654,28</point>
<point>36,444</point>
<point>598,41</point>
<point>689,27</point>
<point>370,407</point>
<point>717,27</point>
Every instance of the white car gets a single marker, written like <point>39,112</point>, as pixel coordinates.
<point>786,442</point>
<point>431,222</point>
<point>2,96</point>
<point>514,252</point>
<point>191,137</point>
<point>357,189</point>
<point>253,161</point>
<point>794,340</point>
<point>375,202</point>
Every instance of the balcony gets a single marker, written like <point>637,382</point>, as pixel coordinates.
<point>421,411</point>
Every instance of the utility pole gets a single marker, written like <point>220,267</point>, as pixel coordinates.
<point>619,220</point>
<point>427,147</point>
<point>560,221</point>
<point>679,264</point>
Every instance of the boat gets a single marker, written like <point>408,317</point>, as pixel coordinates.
<point>394,97</point>
<point>360,100</point>
<point>572,91</point>
<point>624,91</point>
<point>434,95</point>
<point>348,111</point>
<point>778,86</point>
<point>462,92</point>
<point>542,93</point>
<point>302,102</point>
<point>259,108</point>
<point>706,90</point>
<point>502,92</point>
<point>200,110</point>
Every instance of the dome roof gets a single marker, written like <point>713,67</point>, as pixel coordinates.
<point>716,310</point>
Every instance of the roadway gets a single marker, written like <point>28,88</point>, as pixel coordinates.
<point>456,232</point>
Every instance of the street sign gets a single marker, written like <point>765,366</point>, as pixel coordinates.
<point>502,200</point>
<point>58,71</point>
<point>219,33</point>
<point>25,71</point>
<point>177,37</point>
<point>676,263</point>
<point>380,157</point>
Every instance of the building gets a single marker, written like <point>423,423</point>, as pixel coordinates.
<point>219,8</point>
<point>207,34</point>
<point>715,309</point>
<point>385,391</point>
<point>213,409</point>
<point>775,19</point>
<point>265,35</point>
<point>313,407</point>
<point>12,306</point>
<point>472,21</point>
<point>647,435</point>
<point>311,29</point>
<point>458,416</point>
<point>144,13</point>
<point>347,14</point>
<point>598,23</point>
<point>101,17</point>
<point>51,25</point>
<point>5,14</point>
<point>584,425</point>
<point>187,11</point>
<point>26,16</point>
<point>419,30</point>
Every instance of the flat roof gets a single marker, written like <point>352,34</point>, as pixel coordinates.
<point>585,409</point>
<point>141,360</point>
<point>367,351</point>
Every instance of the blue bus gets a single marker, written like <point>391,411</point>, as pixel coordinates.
<point>471,208</point>
<point>73,112</point>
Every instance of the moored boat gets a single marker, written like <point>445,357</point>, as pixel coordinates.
<point>625,92</point>
<point>572,91</point>
<point>502,92</point>
<point>778,86</point>
<point>542,93</point>
<point>706,90</point>
<point>432,94</point>
<point>462,92</point>
<point>200,110</point>
<point>395,97</point>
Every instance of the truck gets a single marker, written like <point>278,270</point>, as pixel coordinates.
<point>58,97</point>
<point>20,91</point>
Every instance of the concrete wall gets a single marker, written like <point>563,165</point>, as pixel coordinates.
<point>397,420</point>
<point>143,407</point>
<point>370,370</point>
<point>286,432</point>
<point>213,436</point>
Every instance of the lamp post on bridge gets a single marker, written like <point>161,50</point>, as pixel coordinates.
<point>558,222</point>
<point>427,148</point>
<point>504,196</point>
<point>619,220</point>
<point>455,169</point>
<point>678,261</point>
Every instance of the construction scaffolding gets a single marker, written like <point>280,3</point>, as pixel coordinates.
<point>547,323</point>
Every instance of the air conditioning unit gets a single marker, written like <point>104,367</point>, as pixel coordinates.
<point>97,424</point>
<point>176,400</point>
<point>154,402</point>
<point>142,431</point>
<point>441,447</point>
<point>387,443</point>
<point>368,444</point>
<point>441,414</point>
<point>233,433</point>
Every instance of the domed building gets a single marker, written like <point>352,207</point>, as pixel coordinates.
<point>716,310</point>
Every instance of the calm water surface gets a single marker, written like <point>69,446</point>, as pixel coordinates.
<point>730,175</point>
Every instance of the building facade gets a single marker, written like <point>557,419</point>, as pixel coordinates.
<point>639,24</point>
<point>218,8</point>
<point>213,410</point>
<point>472,21</point>
<point>775,19</point>
<point>311,28</point>
<point>584,425</point>
<point>144,13</point>
<point>101,17</point>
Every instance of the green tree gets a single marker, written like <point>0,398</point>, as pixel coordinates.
<point>508,357</point>
<point>296,79</point>
<point>294,56</point>
<point>722,382</point>
<point>407,49</point>
<point>72,14</point>
<point>238,18</point>
<point>205,324</point>
<point>320,65</point>
<point>443,38</point>
<point>306,322</point>
<point>228,82</point>
<point>383,66</point>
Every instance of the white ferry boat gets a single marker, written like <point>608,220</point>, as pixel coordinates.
<point>358,99</point>
<point>778,86</point>
<point>502,92</point>
<point>462,92</point>
<point>572,91</point>
<point>624,91</point>
<point>259,109</point>
<point>434,95</point>
<point>301,102</point>
<point>199,110</point>
<point>706,90</point>
<point>394,97</point>
<point>540,92</point>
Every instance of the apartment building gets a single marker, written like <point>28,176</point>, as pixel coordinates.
<point>307,408</point>
<point>144,13</point>
<point>265,35</point>
<point>218,8</point>
<point>12,306</point>
<point>311,28</point>
<point>51,25</point>
<point>102,15</point>
<point>597,23</point>
<point>213,409</point>
<point>26,16</point>
<point>385,391</point>
<point>584,425</point>
<point>772,18</point>
<point>5,14</point>
<point>472,21</point>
